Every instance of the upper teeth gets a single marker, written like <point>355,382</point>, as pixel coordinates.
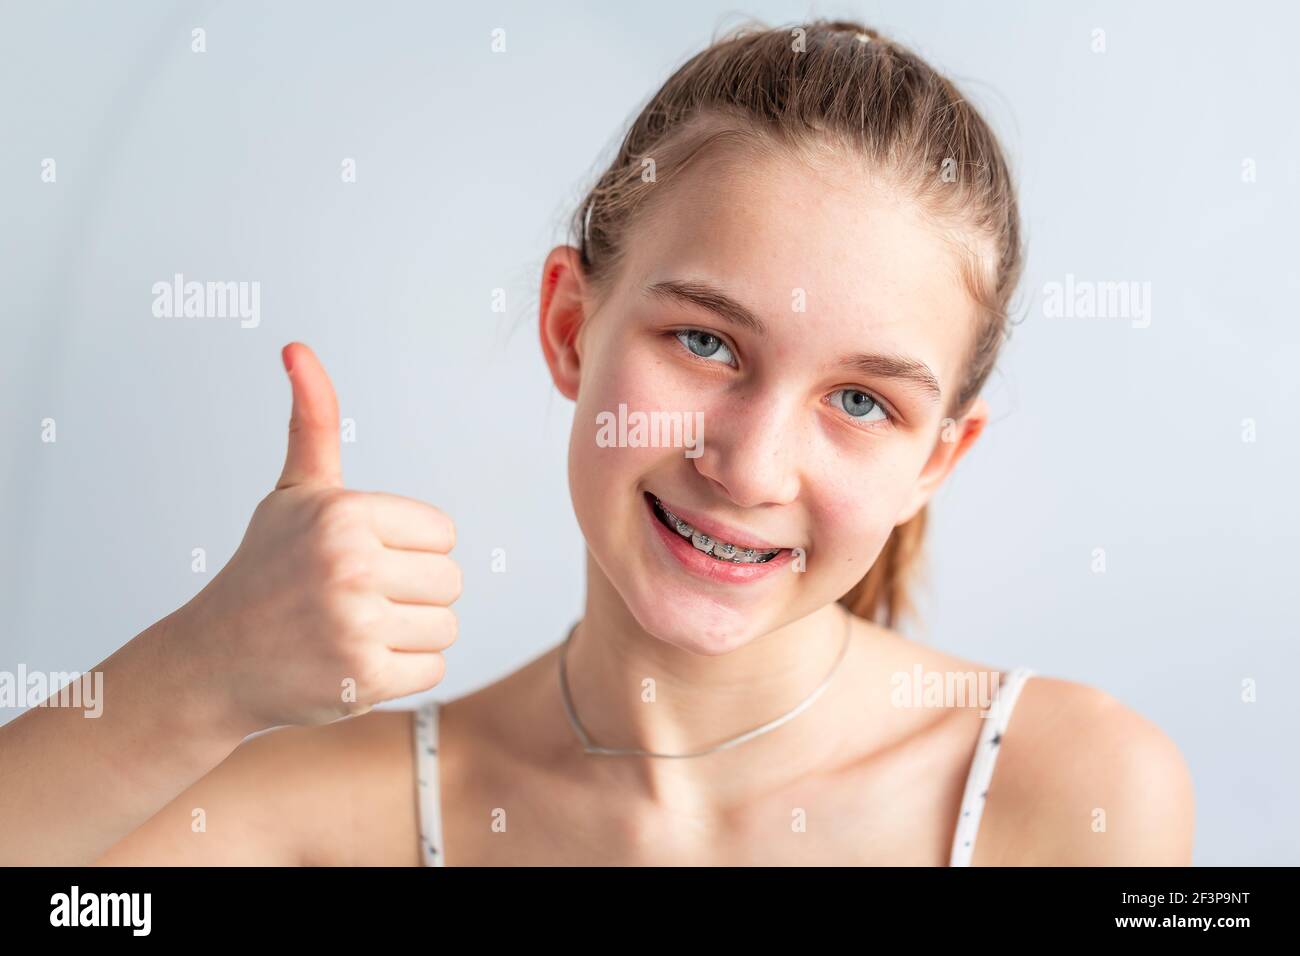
<point>723,550</point>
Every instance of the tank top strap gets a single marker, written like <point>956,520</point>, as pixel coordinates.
<point>428,790</point>
<point>982,764</point>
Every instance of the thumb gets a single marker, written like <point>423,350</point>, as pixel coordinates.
<point>313,454</point>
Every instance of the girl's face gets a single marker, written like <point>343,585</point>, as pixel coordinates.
<point>808,327</point>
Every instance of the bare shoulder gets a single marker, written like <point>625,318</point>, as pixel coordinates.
<point>356,781</point>
<point>336,794</point>
<point>1084,780</point>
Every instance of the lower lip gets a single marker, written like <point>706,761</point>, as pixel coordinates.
<point>711,569</point>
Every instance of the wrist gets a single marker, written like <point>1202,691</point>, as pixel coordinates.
<point>198,696</point>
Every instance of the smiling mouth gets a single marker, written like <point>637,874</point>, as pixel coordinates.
<point>718,550</point>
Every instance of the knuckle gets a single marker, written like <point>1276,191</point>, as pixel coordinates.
<point>343,567</point>
<point>364,666</point>
<point>340,509</point>
<point>369,618</point>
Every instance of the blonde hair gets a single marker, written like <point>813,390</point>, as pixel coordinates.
<point>831,83</point>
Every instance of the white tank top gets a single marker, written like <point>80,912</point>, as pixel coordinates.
<point>968,817</point>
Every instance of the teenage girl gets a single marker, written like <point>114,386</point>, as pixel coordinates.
<point>809,240</point>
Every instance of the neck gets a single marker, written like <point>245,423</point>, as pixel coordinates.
<point>698,701</point>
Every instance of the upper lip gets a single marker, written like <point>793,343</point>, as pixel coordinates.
<point>717,530</point>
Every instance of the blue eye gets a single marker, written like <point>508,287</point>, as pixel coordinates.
<point>859,405</point>
<point>705,344</point>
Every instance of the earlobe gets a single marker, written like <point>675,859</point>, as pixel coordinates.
<point>561,313</point>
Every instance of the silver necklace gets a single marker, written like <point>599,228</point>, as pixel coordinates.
<point>591,748</point>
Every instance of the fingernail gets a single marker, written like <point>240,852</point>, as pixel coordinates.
<point>284,357</point>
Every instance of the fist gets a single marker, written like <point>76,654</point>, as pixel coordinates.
<point>335,600</point>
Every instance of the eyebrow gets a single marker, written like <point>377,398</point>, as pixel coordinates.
<point>910,371</point>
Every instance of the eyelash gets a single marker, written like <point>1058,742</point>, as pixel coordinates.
<point>890,417</point>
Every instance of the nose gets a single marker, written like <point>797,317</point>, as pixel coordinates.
<point>753,451</point>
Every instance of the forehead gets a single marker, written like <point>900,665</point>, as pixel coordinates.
<point>874,271</point>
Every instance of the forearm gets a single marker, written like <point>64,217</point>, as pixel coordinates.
<point>72,785</point>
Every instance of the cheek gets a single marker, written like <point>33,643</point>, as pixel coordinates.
<point>857,516</point>
<point>638,369</point>
<point>626,376</point>
<point>629,375</point>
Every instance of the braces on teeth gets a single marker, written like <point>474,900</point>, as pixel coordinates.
<point>720,550</point>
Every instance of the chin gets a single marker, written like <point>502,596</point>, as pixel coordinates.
<point>711,632</point>
<point>687,632</point>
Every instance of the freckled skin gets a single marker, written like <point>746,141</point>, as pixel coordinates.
<point>778,458</point>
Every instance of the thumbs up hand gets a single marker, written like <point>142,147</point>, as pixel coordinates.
<point>335,600</point>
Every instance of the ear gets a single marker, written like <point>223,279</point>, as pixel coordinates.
<point>563,307</point>
<point>955,439</point>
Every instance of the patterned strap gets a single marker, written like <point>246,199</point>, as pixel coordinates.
<point>427,787</point>
<point>982,764</point>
